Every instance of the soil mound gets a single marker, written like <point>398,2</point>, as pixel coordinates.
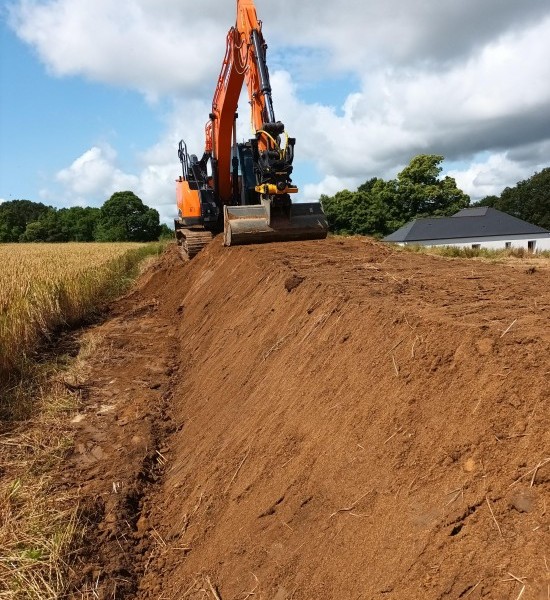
<point>332,420</point>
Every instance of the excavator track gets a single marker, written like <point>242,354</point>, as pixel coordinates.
<point>191,241</point>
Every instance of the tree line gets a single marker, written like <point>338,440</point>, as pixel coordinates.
<point>122,218</point>
<point>381,207</point>
<point>528,199</point>
<point>376,208</point>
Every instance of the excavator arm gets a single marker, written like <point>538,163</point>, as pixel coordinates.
<point>244,61</point>
<point>250,182</point>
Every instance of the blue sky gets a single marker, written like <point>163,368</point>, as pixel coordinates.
<point>48,121</point>
<point>95,95</point>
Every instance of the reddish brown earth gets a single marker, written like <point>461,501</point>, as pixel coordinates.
<point>320,420</point>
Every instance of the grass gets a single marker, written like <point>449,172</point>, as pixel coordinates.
<point>39,519</point>
<point>44,287</point>
<point>456,252</point>
<point>47,286</point>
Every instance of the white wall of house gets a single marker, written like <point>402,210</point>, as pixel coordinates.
<point>541,242</point>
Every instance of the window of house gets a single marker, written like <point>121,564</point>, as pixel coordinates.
<point>531,244</point>
<point>476,245</point>
<point>508,244</point>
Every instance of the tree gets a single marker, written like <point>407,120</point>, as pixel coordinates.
<point>528,200</point>
<point>15,215</point>
<point>165,232</point>
<point>79,223</point>
<point>420,193</point>
<point>379,207</point>
<point>124,218</point>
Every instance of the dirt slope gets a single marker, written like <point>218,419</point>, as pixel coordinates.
<point>320,420</point>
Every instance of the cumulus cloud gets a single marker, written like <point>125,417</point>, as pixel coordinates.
<point>155,47</point>
<point>469,80</point>
<point>488,177</point>
<point>94,173</point>
<point>94,176</point>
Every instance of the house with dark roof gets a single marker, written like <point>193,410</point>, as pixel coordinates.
<point>476,227</point>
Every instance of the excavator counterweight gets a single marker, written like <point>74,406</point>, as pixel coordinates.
<point>243,189</point>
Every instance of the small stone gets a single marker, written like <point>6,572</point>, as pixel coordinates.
<point>293,282</point>
<point>469,465</point>
<point>523,501</point>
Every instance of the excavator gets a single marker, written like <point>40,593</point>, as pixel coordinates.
<point>243,189</point>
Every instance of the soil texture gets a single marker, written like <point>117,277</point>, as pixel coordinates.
<point>329,420</point>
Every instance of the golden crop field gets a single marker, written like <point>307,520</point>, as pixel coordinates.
<point>43,286</point>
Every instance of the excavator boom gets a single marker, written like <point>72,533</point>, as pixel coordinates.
<point>249,192</point>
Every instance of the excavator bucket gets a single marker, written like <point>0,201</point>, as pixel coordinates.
<point>259,223</point>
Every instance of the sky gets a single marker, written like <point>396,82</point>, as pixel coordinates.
<point>96,94</point>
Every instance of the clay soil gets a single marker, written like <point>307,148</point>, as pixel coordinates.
<point>320,420</point>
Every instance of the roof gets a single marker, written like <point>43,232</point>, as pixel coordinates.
<point>479,221</point>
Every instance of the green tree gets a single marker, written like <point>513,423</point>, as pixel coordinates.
<point>34,232</point>
<point>379,207</point>
<point>15,215</point>
<point>165,232</point>
<point>48,228</point>
<point>420,192</point>
<point>528,200</point>
<point>124,218</point>
<point>79,223</point>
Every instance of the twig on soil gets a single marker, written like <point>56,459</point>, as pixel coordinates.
<point>286,525</point>
<point>477,405</point>
<point>395,345</point>
<point>252,592</point>
<point>395,366</point>
<point>457,493</point>
<point>513,577</point>
<point>393,435</point>
<point>160,540</point>
<point>536,468</point>
<point>414,344</point>
<point>212,589</point>
<point>407,321</point>
<point>521,592</point>
<point>541,464</point>
<point>187,517</point>
<point>276,346</point>
<point>471,590</point>
<point>494,519</point>
<point>237,471</point>
<point>190,589</point>
<point>349,508</point>
<point>508,328</point>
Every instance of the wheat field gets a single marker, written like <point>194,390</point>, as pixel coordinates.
<point>44,286</point>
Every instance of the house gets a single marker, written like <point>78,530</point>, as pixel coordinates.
<point>476,227</point>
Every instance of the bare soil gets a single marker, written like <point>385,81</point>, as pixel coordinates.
<point>328,420</point>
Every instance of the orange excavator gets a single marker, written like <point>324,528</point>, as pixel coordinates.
<point>243,189</point>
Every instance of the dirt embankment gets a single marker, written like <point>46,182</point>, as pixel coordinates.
<point>332,420</point>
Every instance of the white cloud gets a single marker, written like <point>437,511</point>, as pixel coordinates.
<point>94,173</point>
<point>490,176</point>
<point>94,176</point>
<point>155,47</point>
